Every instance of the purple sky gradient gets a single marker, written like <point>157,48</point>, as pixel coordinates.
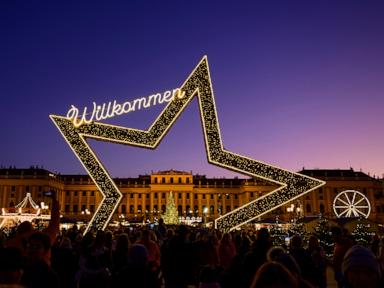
<point>297,83</point>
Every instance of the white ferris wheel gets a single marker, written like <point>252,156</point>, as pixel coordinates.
<point>351,203</point>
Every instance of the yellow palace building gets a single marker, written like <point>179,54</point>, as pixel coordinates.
<point>145,197</point>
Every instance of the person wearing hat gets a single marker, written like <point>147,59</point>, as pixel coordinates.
<point>361,268</point>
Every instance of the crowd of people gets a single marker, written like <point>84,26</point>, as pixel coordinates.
<point>177,257</point>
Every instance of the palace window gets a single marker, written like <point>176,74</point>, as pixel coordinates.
<point>251,194</point>
<point>66,209</point>
<point>131,195</point>
<point>211,196</point>
<point>187,195</point>
<point>195,196</point>
<point>308,208</point>
<point>211,209</point>
<point>155,180</point>
<point>187,180</point>
<point>155,195</point>
<point>163,208</point>
<point>322,208</point>
<point>84,193</point>
<point>163,195</point>
<point>75,193</point>
<point>13,188</point>
<point>66,193</point>
<point>40,188</point>
<point>147,195</point>
<point>139,210</point>
<point>227,196</point>
<point>171,180</point>
<point>180,210</point>
<point>92,208</point>
<point>92,193</point>
<point>123,209</point>
<point>75,208</point>
<point>236,196</point>
<point>179,180</point>
<point>140,197</point>
<point>203,196</point>
<point>83,207</point>
<point>179,195</point>
<point>227,209</point>
<point>131,209</point>
<point>163,180</point>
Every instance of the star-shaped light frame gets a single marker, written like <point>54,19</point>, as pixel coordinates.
<point>291,185</point>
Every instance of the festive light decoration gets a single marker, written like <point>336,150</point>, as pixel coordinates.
<point>292,185</point>
<point>351,203</point>
<point>323,232</point>
<point>19,213</point>
<point>362,233</point>
<point>171,215</point>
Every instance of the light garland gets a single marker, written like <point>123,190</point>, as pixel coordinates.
<point>292,185</point>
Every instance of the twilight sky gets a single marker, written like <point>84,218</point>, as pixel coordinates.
<point>297,83</point>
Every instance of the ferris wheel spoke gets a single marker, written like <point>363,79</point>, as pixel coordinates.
<point>354,197</point>
<point>355,212</point>
<point>346,196</point>
<point>362,199</point>
<point>361,213</point>
<point>361,207</point>
<point>342,213</point>
<point>341,200</point>
<point>341,207</point>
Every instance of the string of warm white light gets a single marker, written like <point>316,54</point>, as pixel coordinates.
<point>292,185</point>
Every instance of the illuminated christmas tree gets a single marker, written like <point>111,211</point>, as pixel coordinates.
<point>323,233</point>
<point>362,234</point>
<point>171,215</point>
<point>277,234</point>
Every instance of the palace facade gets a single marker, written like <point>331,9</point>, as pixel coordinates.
<point>145,197</point>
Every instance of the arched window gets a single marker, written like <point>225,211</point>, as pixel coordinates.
<point>180,210</point>
<point>123,209</point>
<point>308,208</point>
<point>163,208</point>
<point>131,209</point>
<point>322,208</point>
<point>212,209</point>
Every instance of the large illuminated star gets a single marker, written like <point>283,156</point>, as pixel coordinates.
<point>291,185</point>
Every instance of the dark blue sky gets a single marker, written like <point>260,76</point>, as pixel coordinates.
<point>297,83</point>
